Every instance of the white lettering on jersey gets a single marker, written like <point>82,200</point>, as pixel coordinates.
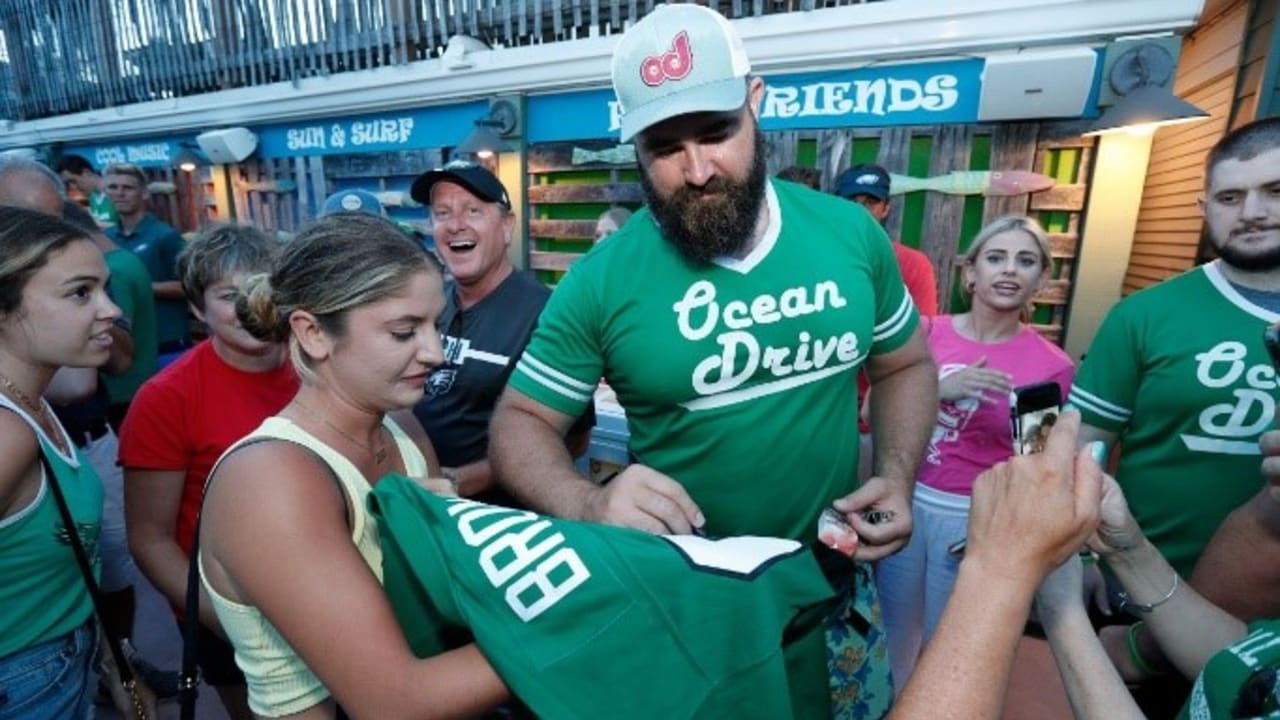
<point>506,555</point>
<point>1232,428</point>
<point>718,377</point>
<point>549,592</point>
<point>1259,641</point>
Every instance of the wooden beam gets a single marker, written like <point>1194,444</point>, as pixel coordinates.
<point>564,229</point>
<point>612,193</point>
<point>545,260</point>
<point>558,157</point>
<point>1060,197</point>
<point>1064,134</point>
<point>1054,292</point>
<point>1063,245</point>
<point>1052,333</point>
<point>382,164</point>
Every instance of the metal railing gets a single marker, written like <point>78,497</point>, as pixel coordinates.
<point>66,56</point>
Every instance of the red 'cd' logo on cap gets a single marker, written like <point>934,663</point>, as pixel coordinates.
<point>674,64</point>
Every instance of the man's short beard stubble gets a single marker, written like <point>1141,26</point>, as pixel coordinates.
<point>1243,259</point>
<point>715,220</point>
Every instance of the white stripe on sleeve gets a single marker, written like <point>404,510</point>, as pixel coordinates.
<point>554,380</point>
<point>896,321</point>
<point>1088,401</point>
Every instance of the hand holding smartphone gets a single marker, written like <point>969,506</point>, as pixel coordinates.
<point>1033,410</point>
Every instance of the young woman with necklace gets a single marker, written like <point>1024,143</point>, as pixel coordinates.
<point>289,553</point>
<point>54,312</point>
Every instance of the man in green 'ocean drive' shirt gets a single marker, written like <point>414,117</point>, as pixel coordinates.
<point>731,316</point>
<point>1178,373</point>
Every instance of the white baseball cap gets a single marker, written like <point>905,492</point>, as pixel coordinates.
<point>676,60</point>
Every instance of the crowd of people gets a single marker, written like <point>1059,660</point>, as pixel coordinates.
<point>369,457</point>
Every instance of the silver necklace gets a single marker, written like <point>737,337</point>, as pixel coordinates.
<point>378,454</point>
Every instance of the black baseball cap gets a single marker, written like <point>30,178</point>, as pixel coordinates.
<point>475,178</point>
<point>864,179</point>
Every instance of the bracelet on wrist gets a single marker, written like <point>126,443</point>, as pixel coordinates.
<point>452,476</point>
<point>1127,603</point>
<point>1135,652</point>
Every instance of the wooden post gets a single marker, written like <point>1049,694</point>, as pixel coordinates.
<point>222,201</point>
<point>943,213</point>
<point>895,153</point>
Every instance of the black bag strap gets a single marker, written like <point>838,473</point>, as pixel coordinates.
<point>188,675</point>
<point>86,570</point>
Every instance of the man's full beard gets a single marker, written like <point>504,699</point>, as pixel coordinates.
<point>715,220</point>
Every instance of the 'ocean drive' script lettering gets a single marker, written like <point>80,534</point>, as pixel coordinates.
<point>699,315</point>
<point>1232,427</point>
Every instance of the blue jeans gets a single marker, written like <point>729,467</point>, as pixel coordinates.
<point>50,681</point>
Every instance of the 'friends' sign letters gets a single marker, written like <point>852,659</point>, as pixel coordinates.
<point>916,94</point>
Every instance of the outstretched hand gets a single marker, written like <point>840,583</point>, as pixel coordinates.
<point>1032,512</point>
<point>975,381</point>
<point>892,500</point>
<point>1117,530</point>
<point>1269,443</point>
<point>645,499</point>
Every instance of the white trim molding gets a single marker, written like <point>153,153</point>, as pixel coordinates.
<point>847,36</point>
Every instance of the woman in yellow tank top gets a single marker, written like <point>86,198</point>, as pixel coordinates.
<point>289,555</point>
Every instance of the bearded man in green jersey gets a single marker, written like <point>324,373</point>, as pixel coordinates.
<point>731,317</point>
<point>1178,374</point>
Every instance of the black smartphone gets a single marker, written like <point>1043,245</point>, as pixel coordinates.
<point>1271,338</point>
<point>1033,410</point>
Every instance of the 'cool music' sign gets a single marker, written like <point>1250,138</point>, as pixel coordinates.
<point>149,154</point>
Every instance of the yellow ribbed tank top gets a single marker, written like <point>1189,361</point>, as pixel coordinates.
<point>279,683</point>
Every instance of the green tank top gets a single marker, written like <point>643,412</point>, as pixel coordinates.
<point>42,592</point>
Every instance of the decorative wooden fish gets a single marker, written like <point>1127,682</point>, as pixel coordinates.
<point>618,155</point>
<point>275,186</point>
<point>396,198</point>
<point>974,182</point>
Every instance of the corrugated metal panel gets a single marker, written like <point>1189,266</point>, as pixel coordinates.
<point>1167,237</point>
